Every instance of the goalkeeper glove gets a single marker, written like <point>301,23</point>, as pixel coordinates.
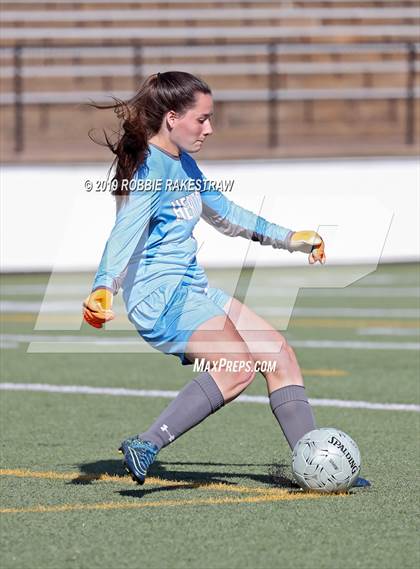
<point>308,242</point>
<point>97,308</point>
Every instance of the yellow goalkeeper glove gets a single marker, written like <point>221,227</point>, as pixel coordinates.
<point>309,242</point>
<point>97,308</point>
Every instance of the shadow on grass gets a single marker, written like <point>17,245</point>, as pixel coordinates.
<point>92,471</point>
<point>278,475</point>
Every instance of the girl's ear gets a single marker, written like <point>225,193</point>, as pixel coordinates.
<point>171,116</point>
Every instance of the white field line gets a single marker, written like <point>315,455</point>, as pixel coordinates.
<point>386,331</point>
<point>56,306</point>
<point>355,345</point>
<point>74,307</point>
<point>340,312</point>
<point>281,289</point>
<point>4,345</point>
<point>368,281</point>
<point>61,344</point>
<point>261,399</point>
<point>53,338</point>
<point>335,292</point>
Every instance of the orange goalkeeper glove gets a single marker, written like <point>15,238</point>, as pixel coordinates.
<point>97,308</point>
<point>309,242</point>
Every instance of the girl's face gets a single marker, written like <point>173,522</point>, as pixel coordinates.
<point>188,131</point>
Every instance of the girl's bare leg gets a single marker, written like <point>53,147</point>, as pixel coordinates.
<point>288,399</point>
<point>217,341</point>
<point>266,344</point>
<point>209,390</point>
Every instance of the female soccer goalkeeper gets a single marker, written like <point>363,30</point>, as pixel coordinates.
<point>151,253</point>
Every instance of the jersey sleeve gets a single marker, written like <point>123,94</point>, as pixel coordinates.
<point>233,220</point>
<point>130,226</point>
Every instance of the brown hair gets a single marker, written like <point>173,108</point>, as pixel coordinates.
<point>141,118</point>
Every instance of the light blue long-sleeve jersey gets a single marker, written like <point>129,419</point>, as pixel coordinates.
<point>152,242</point>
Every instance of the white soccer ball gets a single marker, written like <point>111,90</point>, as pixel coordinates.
<point>326,460</point>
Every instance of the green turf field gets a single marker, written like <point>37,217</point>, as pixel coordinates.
<point>221,496</point>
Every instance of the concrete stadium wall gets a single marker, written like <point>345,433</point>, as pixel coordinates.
<point>366,210</point>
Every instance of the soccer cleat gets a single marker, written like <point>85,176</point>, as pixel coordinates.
<point>125,442</point>
<point>361,483</point>
<point>138,456</point>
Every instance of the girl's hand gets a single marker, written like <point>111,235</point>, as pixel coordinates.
<point>309,242</point>
<point>97,307</point>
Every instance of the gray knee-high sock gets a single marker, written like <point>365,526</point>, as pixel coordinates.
<point>199,399</point>
<point>293,412</point>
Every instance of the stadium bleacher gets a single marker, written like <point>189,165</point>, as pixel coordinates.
<point>289,78</point>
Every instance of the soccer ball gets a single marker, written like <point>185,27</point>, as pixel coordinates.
<point>326,460</point>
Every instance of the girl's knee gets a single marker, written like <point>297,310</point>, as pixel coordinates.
<point>245,378</point>
<point>237,380</point>
<point>241,371</point>
<point>285,369</point>
<point>287,355</point>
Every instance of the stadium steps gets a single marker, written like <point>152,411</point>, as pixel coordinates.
<point>50,76</point>
<point>305,130</point>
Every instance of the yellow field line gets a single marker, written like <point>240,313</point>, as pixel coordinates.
<point>280,496</point>
<point>125,479</point>
<point>49,474</point>
<point>325,372</point>
<point>32,317</point>
<point>260,494</point>
<point>351,323</point>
